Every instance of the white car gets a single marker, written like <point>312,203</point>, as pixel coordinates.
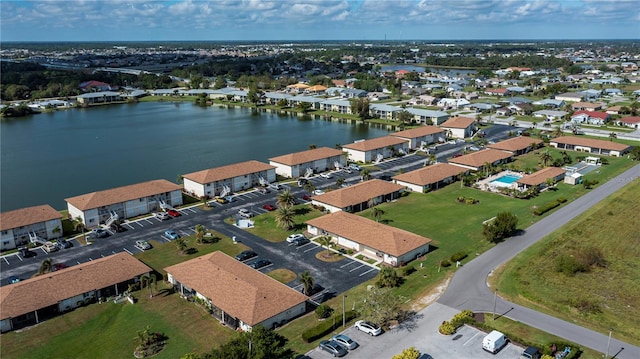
<point>317,192</point>
<point>162,216</point>
<point>243,212</point>
<point>368,327</point>
<point>293,237</point>
<point>143,245</point>
<point>326,175</point>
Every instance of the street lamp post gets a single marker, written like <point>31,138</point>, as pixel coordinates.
<point>608,343</point>
<point>344,317</point>
<point>495,300</point>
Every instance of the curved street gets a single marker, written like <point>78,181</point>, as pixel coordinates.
<point>468,288</point>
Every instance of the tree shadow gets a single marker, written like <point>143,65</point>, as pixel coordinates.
<point>408,320</point>
<point>190,251</point>
<point>386,221</point>
<point>301,211</point>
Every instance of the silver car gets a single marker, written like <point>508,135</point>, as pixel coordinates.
<point>345,341</point>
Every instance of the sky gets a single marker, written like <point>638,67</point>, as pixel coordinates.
<point>299,20</point>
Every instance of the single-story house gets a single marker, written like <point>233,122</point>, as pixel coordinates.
<point>550,103</point>
<point>517,145</point>
<point>421,136</point>
<point>540,178</point>
<point>459,127</point>
<point>503,111</point>
<point>586,106</point>
<point>317,160</point>
<point>376,149</point>
<point>236,294</point>
<point>550,115</point>
<point>497,91</point>
<point>36,299</point>
<point>124,202</point>
<point>95,86</point>
<point>236,177</point>
<point>582,144</point>
<point>31,224</point>
<point>98,97</point>
<point>631,121</point>
<point>359,196</point>
<point>592,117</point>
<point>570,97</point>
<point>476,160</point>
<point>452,103</point>
<point>392,245</point>
<point>296,88</point>
<point>429,178</point>
<point>224,93</point>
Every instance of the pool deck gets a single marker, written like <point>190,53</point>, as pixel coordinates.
<point>485,184</point>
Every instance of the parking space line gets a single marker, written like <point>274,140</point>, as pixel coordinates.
<point>192,210</point>
<point>128,225</point>
<point>470,339</point>
<point>311,249</point>
<point>356,268</point>
<point>126,250</point>
<point>5,259</point>
<point>370,270</point>
<point>148,220</point>
<point>348,264</point>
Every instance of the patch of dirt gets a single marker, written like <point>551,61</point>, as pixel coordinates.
<point>432,296</point>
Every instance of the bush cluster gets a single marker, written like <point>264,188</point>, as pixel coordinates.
<point>580,261</point>
<point>408,270</point>
<point>327,326</point>
<point>323,311</point>
<point>467,200</point>
<point>458,256</point>
<point>548,206</point>
<point>464,317</point>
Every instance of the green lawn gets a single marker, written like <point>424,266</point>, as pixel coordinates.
<point>609,296</point>
<point>265,224</point>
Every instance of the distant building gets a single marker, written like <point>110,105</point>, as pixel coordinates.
<point>589,145</point>
<point>238,176</point>
<point>21,226</point>
<point>459,127</point>
<point>376,149</point>
<point>359,196</point>
<point>430,178</point>
<point>316,160</point>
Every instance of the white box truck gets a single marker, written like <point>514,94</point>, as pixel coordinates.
<point>494,341</point>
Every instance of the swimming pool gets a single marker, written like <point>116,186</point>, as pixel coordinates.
<point>505,180</point>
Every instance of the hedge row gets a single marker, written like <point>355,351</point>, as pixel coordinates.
<point>549,206</point>
<point>327,326</point>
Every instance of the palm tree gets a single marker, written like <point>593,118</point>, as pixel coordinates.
<point>200,232</point>
<point>284,218</point>
<point>309,187</point>
<point>285,199</point>
<point>148,280</point>
<point>45,266</point>
<point>612,136</point>
<point>557,132</point>
<point>78,225</point>
<point>545,157</point>
<point>307,282</point>
<point>377,213</point>
<point>181,244</point>
<point>365,174</point>
<point>566,158</point>
<point>340,181</point>
<point>325,241</point>
<point>312,146</point>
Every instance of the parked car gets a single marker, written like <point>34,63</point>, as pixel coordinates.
<point>326,175</point>
<point>263,190</point>
<point>354,167</point>
<point>368,327</point>
<point>531,353</point>
<point>58,266</point>
<point>99,233</point>
<point>317,192</point>
<point>306,197</point>
<point>347,170</point>
<point>162,216</point>
<point>13,279</point>
<point>302,182</point>
<point>333,348</point>
<point>50,247</point>
<point>143,245</point>
<point>244,255</point>
<point>293,237</point>
<point>243,212</point>
<point>173,213</point>
<point>269,207</point>
<point>345,341</point>
<point>275,186</point>
<point>171,234</point>
<point>26,253</point>
<point>230,199</point>
<point>221,200</point>
<point>64,244</point>
<point>259,263</point>
<point>300,241</point>
<point>117,228</point>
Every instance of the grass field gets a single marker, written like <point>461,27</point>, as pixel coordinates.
<point>602,298</point>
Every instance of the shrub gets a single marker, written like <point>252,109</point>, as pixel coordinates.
<point>548,206</point>
<point>326,327</point>
<point>458,256</point>
<point>569,265</point>
<point>465,316</point>
<point>445,263</point>
<point>447,328</point>
<point>503,226</point>
<point>323,311</point>
<point>408,270</point>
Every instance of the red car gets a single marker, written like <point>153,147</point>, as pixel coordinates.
<point>173,213</point>
<point>306,197</point>
<point>269,207</point>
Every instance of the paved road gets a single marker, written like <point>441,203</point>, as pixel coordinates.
<point>468,289</point>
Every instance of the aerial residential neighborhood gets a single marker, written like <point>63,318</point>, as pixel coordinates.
<point>381,198</point>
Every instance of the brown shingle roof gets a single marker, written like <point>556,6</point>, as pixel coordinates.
<point>458,122</point>
<point>122,194</point>
<point>358,193</point>
<point>590,142</point>
<point>515,144</point>
<point>315,154</point>
<point>26,216</point>
<point>418,132</point>
<point>51,288</point>
<point>227,172</point>
<point>378,236</point>
<point>234,287</point>
<point>477,159</point>
<point>430,174</point>
<point>375,143</point>
<point>539,177</point>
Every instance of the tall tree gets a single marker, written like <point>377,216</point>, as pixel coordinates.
<point>45,267</point>
<point>285,199</point>
<point>259,343</point>
<point>612,136</point>
<point>307,282</point>
<point>545,157</point>
<point>200,232</point>
<point>325,241</point>
<point>381,305</point>
<point>284,218</point>
<point>377,213</point>
<point>181,244</point>
<point>365,174</point>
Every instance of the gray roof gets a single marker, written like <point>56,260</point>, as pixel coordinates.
<point>384,107</point>
<point>99,94</point>
<point>336,102</point>
<point>427,113</point>
<point>309,99</point>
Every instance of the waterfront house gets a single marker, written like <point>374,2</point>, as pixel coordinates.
<point>422,136</point>
<point>316,160</point>
<point>31,224</point>
<point>124,202</point>
<point>359,196</point>
<point>430,178</point>
<point>236,177</point>
<point>39,298</point>
<point>390,245</point>
<point>336,105</point>
<point>93,98</point>
<point>590,145</point>
<point>376,149</point>
<point>236,294</point>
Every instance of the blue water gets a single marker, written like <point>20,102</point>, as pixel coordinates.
<point>48,157</point>
<point>507,179</point>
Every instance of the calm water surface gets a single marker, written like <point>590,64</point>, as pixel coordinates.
<point>52,156</point>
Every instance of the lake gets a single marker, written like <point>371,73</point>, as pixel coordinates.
<point>48,157</point>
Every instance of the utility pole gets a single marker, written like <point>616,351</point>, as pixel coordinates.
<point>344,317</point>
<point>608,343</point>
<point>495,299</point>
